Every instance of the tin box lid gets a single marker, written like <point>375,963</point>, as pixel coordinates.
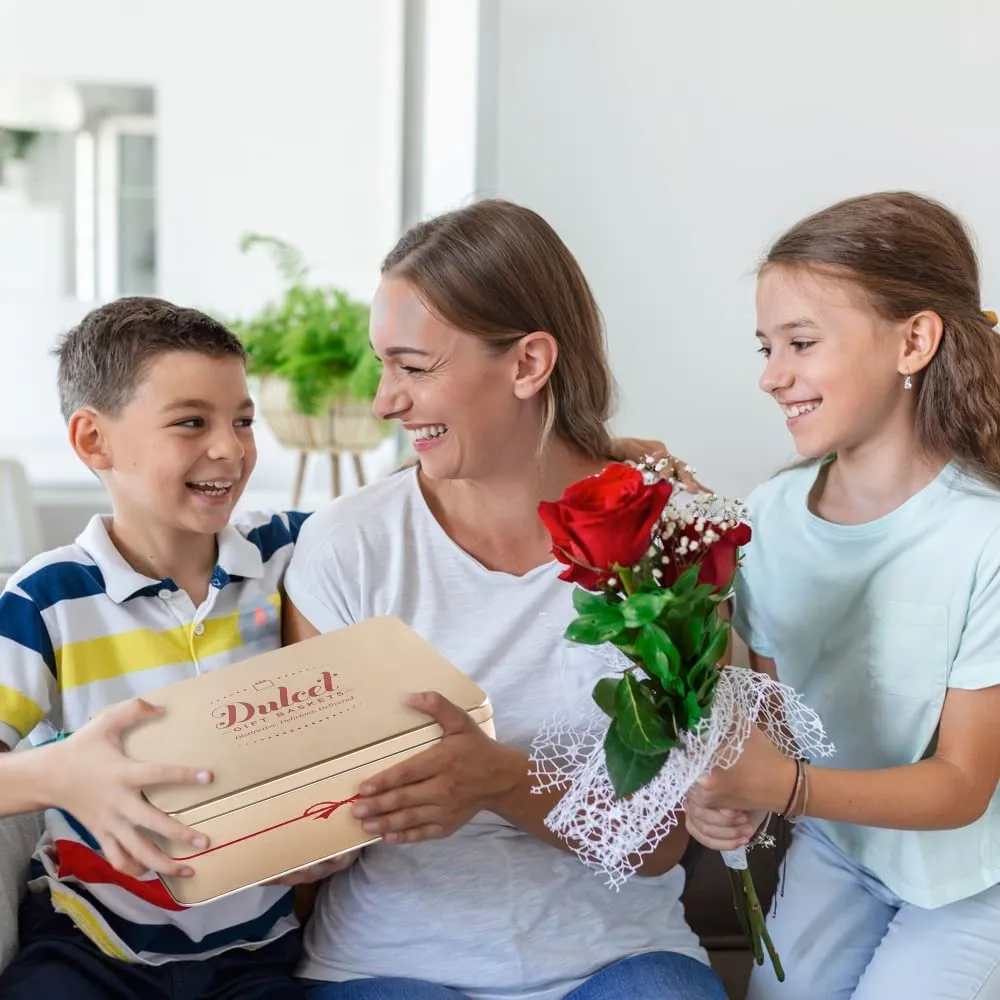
<point>284,711</point>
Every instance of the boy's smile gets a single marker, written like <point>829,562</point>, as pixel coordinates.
<point>181,451</point>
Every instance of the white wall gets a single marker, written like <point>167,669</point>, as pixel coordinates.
<point>669,143</point>
<point>277,118</point>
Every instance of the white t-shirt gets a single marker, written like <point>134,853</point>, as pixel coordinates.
<point>872,624</point>
<point>489,911</point>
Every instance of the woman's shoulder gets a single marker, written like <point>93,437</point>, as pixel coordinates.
<point>384,503</point>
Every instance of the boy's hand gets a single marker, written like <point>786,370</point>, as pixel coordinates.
<point>90,777</point>
<point>318,871</point>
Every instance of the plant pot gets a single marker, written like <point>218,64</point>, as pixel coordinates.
<point>348,425</point>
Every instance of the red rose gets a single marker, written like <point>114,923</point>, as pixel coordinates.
<point>603,522</point>
<point>718,562</point>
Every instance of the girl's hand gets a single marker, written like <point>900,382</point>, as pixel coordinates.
<point>761,779</point>
<point>440,789</point>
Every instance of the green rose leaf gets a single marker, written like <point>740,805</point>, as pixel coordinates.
<point>708,661</point>
<point>596,627</point>
<point>685,583</point>
<point>639,727</point>
<point>641,609</point>
<point>605,695</point>
<point>629,770</point>
<point>587,603</point>
<point>659,655</point>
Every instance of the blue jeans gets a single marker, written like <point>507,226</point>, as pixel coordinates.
<point>657,975</point>
<point>842,935</point>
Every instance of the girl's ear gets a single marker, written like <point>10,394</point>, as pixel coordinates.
<point>921,339</point>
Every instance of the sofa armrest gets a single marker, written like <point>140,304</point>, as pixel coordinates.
<point>19,836</point>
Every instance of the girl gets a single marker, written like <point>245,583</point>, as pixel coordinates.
<point>872,586</point>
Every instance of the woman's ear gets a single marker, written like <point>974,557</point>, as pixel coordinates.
<point>88,440</point>
<point>922,337</point>
<point>536,355</point>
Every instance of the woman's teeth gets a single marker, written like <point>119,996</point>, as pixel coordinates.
<point>213,488</point>
<point>798,409</point>
<point>433,431</point>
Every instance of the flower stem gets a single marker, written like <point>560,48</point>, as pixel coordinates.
<point>759,921</point>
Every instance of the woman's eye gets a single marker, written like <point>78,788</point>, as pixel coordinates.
<point>410,370</point>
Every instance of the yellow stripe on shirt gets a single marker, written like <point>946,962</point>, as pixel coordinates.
<point>18,710</point>
<point>82,663</point>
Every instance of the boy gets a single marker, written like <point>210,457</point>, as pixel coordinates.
<point>165,588</point>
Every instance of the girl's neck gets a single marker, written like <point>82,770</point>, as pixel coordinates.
<point>496,520</point>
<point>871,480</point>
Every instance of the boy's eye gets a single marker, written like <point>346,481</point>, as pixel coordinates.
<point>193,422</point>
<point>245,422</point>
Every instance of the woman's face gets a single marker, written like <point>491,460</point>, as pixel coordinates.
<point>464,403</point>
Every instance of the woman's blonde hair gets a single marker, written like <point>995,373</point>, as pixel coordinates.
<point>498,271</point>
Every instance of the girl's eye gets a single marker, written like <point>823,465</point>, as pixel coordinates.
<point>765,351</point>
<point>801,345</point>
<point>245,422</point>
<point>192,423</point>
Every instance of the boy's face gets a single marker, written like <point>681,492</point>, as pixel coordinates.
<point>181,452</point>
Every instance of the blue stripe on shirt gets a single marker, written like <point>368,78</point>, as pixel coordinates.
<point>62,581</point>
<point>273,536</point>
<point>21,622</point>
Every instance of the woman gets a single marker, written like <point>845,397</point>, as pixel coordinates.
<point>494,360</point>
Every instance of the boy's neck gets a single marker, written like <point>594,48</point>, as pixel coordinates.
<point>865,483</point>
<point>188,558</point>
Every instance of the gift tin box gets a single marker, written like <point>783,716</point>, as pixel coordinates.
<point>289,736</point>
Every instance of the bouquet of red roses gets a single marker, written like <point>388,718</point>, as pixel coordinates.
<point>653,566</point>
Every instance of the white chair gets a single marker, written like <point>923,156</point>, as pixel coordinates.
<point>20,524</point>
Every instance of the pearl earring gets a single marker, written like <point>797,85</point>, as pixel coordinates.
<point>907,382</point>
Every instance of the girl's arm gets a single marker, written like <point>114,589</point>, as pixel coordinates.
<point>948,790</point>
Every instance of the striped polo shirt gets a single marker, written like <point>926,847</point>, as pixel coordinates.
<point>80,630</point>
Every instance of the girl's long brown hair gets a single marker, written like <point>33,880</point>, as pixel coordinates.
<point>909,254</point>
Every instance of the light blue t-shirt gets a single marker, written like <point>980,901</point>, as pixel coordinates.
<point>871,624</point>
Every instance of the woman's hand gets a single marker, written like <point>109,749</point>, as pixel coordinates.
<point>761,779</point>
<point>437,791</point>
<point>720,829</point>
<point>318,871</point>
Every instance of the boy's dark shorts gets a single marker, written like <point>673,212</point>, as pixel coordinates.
<point>58,961</point>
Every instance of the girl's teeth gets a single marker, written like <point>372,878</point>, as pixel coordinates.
<point>429,432</point>
<point>797,411</point>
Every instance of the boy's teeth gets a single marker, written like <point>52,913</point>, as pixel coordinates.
<point>436,430</point>
<point>797,411</point>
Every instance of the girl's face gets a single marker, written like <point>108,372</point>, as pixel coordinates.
<point>833,366</point>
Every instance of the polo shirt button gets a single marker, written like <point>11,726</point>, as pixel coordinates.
<point>165,594</point>
<point>199,629</point>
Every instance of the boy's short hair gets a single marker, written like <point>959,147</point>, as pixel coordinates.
<point>103,359</point>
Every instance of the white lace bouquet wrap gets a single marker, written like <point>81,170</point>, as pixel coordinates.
<point>613,835</point>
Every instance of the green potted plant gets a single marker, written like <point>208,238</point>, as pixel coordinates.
<point>15,144</point>
<point>318,374</point>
